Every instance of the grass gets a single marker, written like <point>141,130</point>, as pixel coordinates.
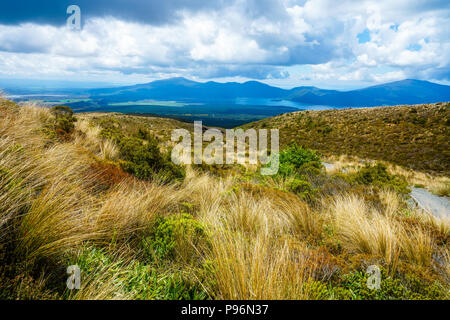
<point>414,137</point>
<point>233,235</point>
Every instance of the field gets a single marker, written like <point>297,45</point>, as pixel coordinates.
<point>98,190</point>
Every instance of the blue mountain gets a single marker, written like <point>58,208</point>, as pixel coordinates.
<point>400,92</point>
<point>185,90</point>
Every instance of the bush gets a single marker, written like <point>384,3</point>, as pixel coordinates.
<point>64,120</point>
<point>61,112</point>
<point>140,154</point>
<point>316,290</point>
<point>295,160</point>
<point>302,188</point>
<point>179,235</point>
<point>143,159</point>
<point>378,176</point>
<point>354,286</point>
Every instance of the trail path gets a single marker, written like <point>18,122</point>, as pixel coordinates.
<point>438,206</point>
<point>422,198</point>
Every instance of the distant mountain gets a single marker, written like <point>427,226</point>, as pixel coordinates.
<point>183,89</point>
<point>400,92</point>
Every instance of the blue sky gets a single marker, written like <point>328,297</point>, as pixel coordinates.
<point>325,43</point>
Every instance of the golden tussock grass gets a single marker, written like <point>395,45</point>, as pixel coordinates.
<point>363,229</point>
<point>262,246</point>
<point>437,184</point>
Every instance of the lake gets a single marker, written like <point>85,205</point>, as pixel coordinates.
<point>282,103</point>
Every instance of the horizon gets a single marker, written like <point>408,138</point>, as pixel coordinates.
<point>65,84</point>
<point>284,43</point>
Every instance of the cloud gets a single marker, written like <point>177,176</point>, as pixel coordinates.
<point>370,41</point>
<point>53,12</point>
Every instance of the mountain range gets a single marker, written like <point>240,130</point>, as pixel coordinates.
<point>407,91</point>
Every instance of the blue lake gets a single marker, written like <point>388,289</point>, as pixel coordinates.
<point>274,103</point>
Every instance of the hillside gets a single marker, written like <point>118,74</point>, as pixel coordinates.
<point>400,92</point>
<point>408,91</point>
<point>98,191</point>
<point>414,137</point>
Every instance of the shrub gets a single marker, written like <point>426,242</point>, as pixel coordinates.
<point>113,134</point>
<point>302,188</point>
<point>149,283</point>
<point>140,154</point>
<point>354,286</point>
<point>64,120</point>
<point>179,235</point>
<point>61,112</point>
<point>316,290</point>
<point>143,159</point>
<point>378,176</point>
<point>295,160</point>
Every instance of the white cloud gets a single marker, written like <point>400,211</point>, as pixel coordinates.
<point>245,40</point>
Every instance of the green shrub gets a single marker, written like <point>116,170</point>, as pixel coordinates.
<point>354,286</point>
<point>61,112</point>
<point>378,176</point>
<point>143,159</point>
<point>143,134</point>
<point>110,123</point>
<point>64,120</point>
<point>114,134</point>
<point>316,290</point>
<point>302,188</point>
<point>135,279</point>
<point>149,283</point>
<point>179,235</point>
<point>295,160</point>
<point>140,154</point>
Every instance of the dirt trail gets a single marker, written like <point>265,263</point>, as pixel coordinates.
<point>438,206</point>
<point>422,198</point>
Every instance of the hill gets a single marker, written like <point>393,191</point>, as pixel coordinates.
<point>97,191</point>
<point>399,92</point>
<point>412,136</point>
<point>183,89</point>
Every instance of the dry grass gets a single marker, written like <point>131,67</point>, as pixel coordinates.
<point>362,229</point>
<point>87,135</point>
<point>259,268</point>
<point>63,206</point>
<point>437,184</point>
<point>264,243</point>
<point>385,234</point>
<point>253,258</point>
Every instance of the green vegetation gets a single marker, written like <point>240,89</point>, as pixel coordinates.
<point>170,236</point>
<point>353,286</point>
<point>133,279</point>
<point>142,158</point>
<point>140,154</point>
<point>377,175</point>
<point>414,137</point>
<point>100,199</point>
<point>64,120</point>
<point>295,160</point>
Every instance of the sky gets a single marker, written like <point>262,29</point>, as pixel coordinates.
<point>287,43</point>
